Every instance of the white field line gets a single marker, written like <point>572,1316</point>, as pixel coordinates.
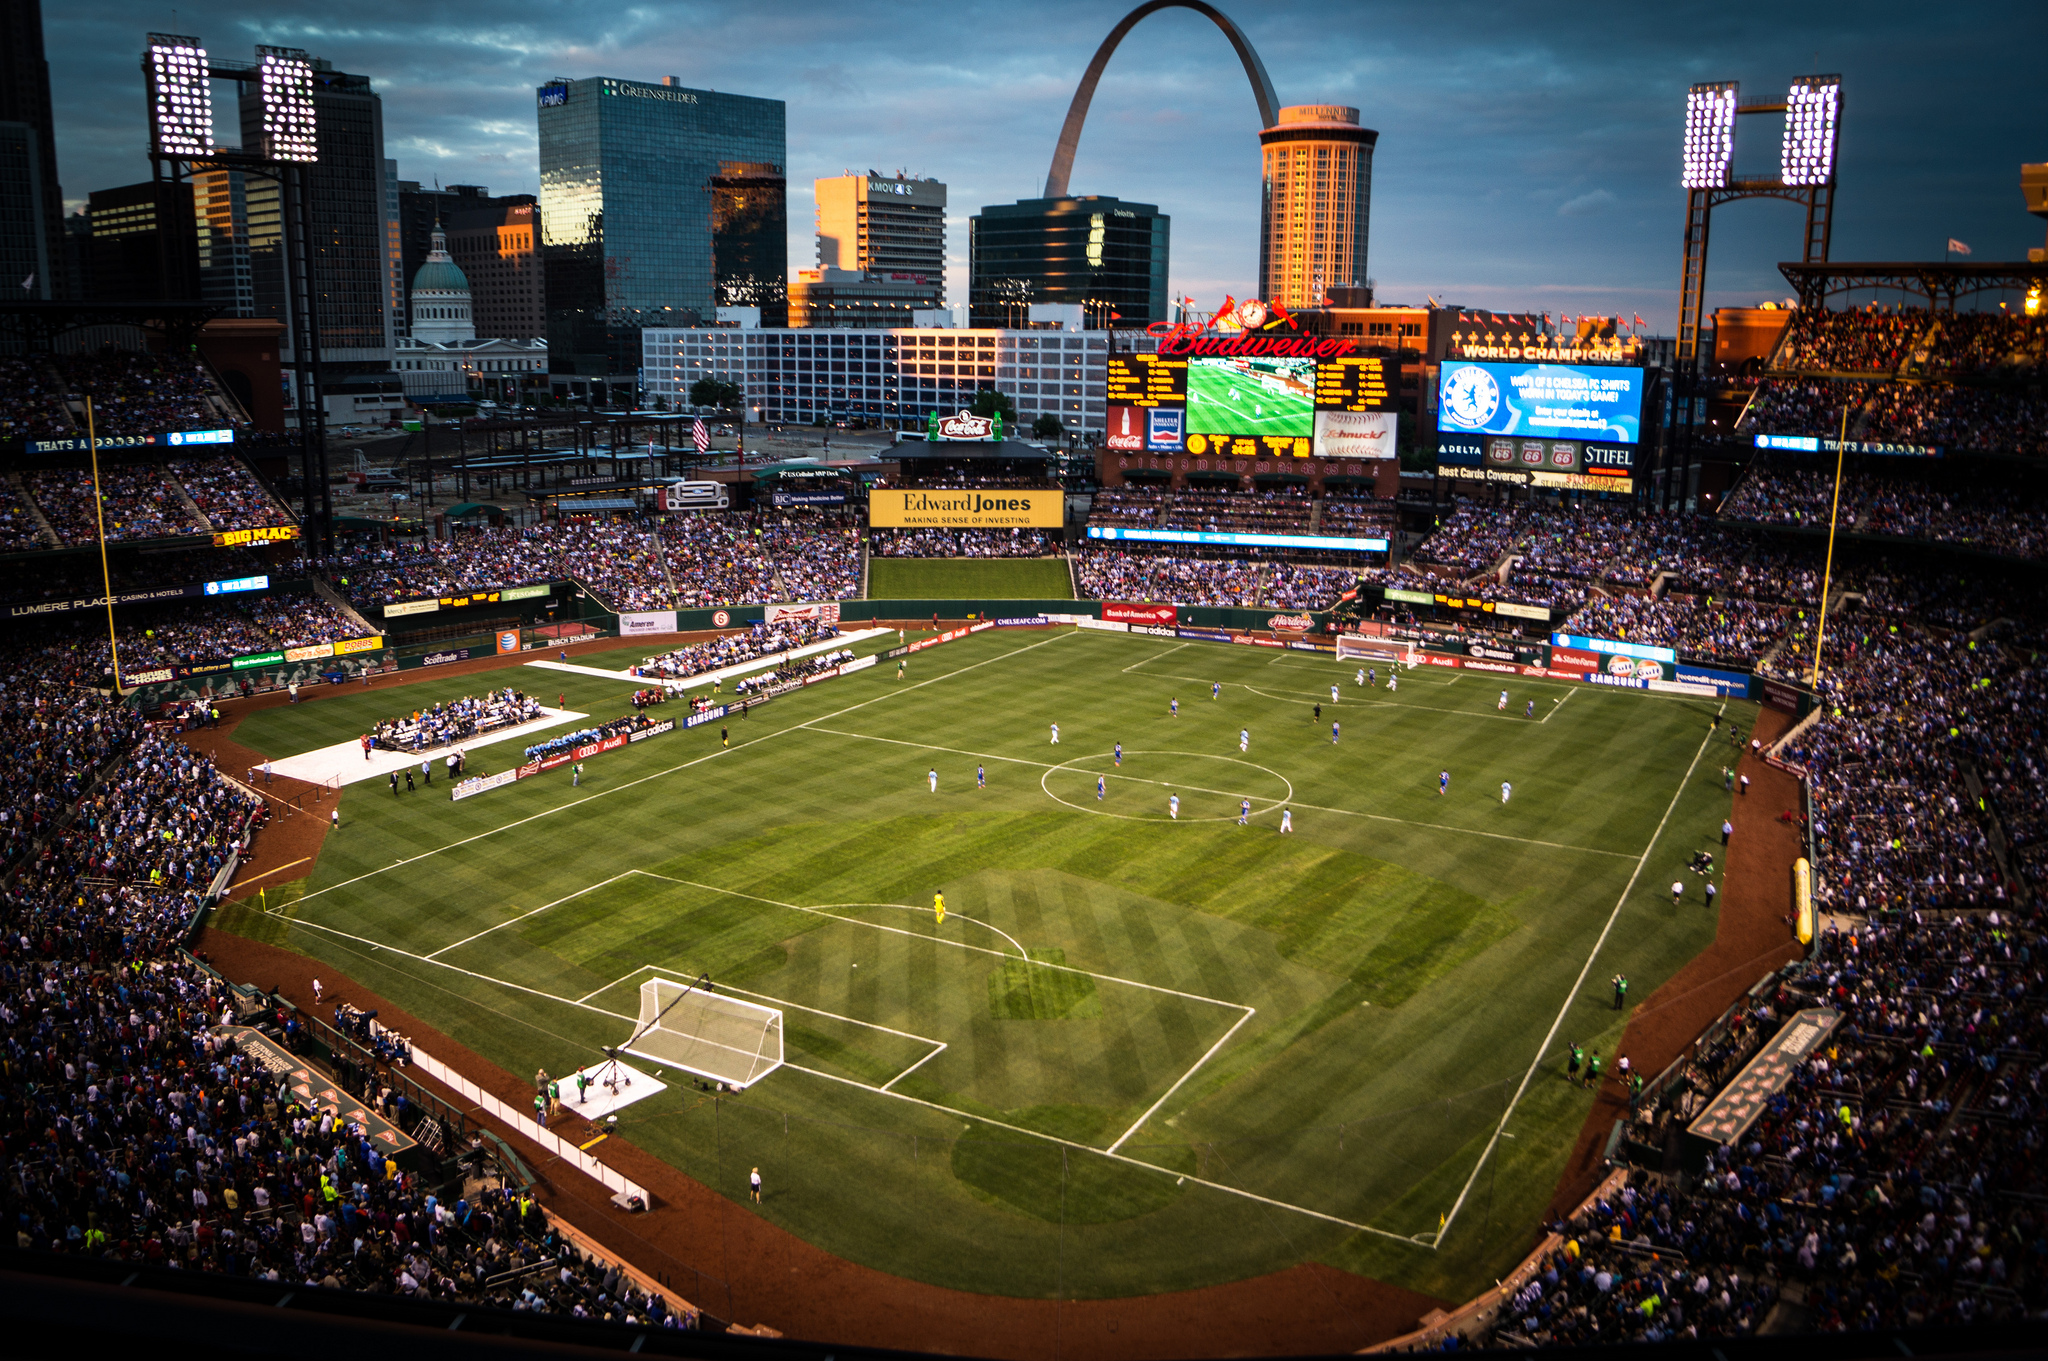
<point>1152,1109</point>
<point>956,944</point>
<point>1153,658</point>
<point>916,1100</point>
<point>1572,996</point>
<point>1231,793</point>
<point>780,1002</point>
<point>1126,1159</point>
<point>509,921</point>
<point>911,1069</point>
<point>1560,704</point>
<point>662,774</point>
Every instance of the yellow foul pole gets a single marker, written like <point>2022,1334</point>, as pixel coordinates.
<point>1828,572</point>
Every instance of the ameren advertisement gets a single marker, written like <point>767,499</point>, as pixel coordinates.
<point>1544,401</point>
<point>983,509</point>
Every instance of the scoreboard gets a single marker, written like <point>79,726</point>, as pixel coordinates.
<point>1347,410</point>
<point>1355,383</point>
<point>1147,380</point>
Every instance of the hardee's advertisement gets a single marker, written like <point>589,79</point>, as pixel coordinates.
<point>982,508</point>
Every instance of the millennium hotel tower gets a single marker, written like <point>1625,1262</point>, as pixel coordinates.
<point>1318,197</point>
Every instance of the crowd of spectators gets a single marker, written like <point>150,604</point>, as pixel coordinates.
<point>1304,586</point>
<point>1723,628</point>
<point>138,503</point>
<point>961,543</point>
<point>1988,344</point>
<point>456,720</point>
<point>1281,511</point>
<point>1895,1181</point>
<point>19,531</point>
<point>1109,574</point>
<point>681,562</point>
<point>751,643</point>
<point>180,633</point>
<point>228,494</point>
<point>1857,340</point>
<point>785,672</point>
<point>1993,514</point>
<point>32,401</point>
<point>133,1129</point>
<point>140,394</point>
<point>583,737</point>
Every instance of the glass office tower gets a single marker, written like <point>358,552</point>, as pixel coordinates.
<point>632,178</point>
<point>1102,253</point>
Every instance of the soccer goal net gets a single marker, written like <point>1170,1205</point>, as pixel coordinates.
<point>1387,651</point>
<point>688,1026</point>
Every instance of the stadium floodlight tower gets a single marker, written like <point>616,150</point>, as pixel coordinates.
<point>1806,175</point>
<point>178,73</point>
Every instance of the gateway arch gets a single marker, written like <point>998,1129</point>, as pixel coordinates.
<point>1077,112</point>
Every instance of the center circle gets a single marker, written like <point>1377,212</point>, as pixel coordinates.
<point>1157,781</point>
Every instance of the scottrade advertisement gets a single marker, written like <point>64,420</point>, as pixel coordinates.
<point>1541,401</point>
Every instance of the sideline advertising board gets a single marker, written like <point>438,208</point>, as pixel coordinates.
<point>1601,403</point>
<point>1126,612</point>
<point>639,623</point>
<point>985,508</point>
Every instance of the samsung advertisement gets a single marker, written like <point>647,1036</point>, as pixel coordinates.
<point>1541,401</point>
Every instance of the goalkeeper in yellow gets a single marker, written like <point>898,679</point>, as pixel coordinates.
<point>939,907</point>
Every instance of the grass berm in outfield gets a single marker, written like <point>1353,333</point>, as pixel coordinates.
<point>1333,1021</point>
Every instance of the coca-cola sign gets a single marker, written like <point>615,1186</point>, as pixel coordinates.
<point>964,426</point>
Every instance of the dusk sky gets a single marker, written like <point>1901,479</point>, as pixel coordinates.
<point>1528,155</point>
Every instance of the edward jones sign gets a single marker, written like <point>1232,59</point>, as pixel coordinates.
<point>981,509</point>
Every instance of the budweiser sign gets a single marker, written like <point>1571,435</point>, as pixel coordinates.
<point>1121,612</point>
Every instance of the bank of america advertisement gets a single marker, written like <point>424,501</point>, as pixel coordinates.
<point>1545,401</point>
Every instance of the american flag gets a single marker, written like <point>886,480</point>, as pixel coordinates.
<point>700,436</point>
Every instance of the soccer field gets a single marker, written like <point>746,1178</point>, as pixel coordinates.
<point>969,579</point>
<point>1140,1054</point>
<point>1224,400</point>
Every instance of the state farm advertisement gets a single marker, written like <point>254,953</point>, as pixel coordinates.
<point>1123,612</point>
<point>1570,659</point>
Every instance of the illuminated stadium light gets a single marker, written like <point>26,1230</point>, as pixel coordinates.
<point>180,96</point>
<point>1813,112</point>
<point>289,130</point>
<point>1709,135</point>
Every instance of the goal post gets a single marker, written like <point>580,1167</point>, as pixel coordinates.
<point>1386,651</point>
<point>691,1027</point>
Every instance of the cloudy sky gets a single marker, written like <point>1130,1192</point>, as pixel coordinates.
<point>1528,154</point>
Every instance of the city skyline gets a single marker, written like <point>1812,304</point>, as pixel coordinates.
<point>1512,172</point>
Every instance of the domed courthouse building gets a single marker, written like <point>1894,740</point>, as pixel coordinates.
<point>444,360</point>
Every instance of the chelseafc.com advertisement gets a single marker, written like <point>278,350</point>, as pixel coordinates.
<point>1544,401</point>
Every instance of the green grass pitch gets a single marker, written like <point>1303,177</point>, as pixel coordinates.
<point>1141,1054</point>
<point>1224,400</point>
<point>969,579</point>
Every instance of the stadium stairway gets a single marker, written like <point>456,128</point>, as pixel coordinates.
<point>184,499</point>
<point>341,606</point>
<point>20,489</point>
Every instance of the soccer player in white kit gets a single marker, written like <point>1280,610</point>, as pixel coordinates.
<point>1393,682</point>
<point>1055,734</point>
<point>1503,701</point>
<point>1505,790</point>
<point>1286,819</point>
<point>1333,694</point>
<point>1173,807</point>
<point>1359,679</point>
<point>1244,739</point>
<point>933,776</point>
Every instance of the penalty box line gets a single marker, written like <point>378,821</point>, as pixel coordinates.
<point>1139,779</point>
<point>674,769</point>
<point>1248,1011</point>
<point>884,1090</point>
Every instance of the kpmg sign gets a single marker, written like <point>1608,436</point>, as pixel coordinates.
<point>554,96</point>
